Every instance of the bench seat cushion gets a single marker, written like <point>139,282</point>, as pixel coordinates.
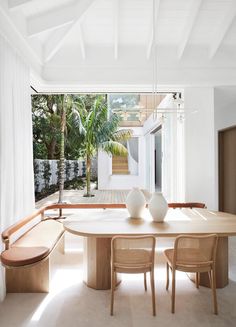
<point>34,245</point>
<point>20,256</point>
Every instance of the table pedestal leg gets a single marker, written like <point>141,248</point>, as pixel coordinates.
<point>97,263</point>
<point>221,266</point>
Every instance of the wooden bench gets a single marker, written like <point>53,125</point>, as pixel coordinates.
<point>190,205</point>
<point>28,259</point>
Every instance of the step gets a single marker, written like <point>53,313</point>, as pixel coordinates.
<point>120,172</point>
<point>125,164</point>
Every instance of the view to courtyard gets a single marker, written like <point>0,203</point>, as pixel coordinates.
<point>116,122</point>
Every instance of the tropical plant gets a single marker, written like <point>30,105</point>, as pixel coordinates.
<point>98,130</point>
<point>46,116</point>
<point>63,104</point>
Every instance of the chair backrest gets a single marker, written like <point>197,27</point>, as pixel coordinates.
<point>186,205</point>
<point>133,251</point>
<point>197,251</point>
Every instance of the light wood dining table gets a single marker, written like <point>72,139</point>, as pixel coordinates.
<point>98,226</point>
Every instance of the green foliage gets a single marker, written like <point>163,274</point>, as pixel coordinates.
<point>46,126</point>
<point>46,173</point>
<point>68,167</point>
<point>88,128</point>
<point>97,130</point>
<point>74,184</point>
<point>46,116</point>
<point>76,169</point>
<point>36,176</point>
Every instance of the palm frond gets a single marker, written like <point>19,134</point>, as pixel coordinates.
<point>114,148</point>
<point>122,135</point>
<point>78,121</point>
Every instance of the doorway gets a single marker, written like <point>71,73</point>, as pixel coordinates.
<point>227,170</point>
<point>158,160</point>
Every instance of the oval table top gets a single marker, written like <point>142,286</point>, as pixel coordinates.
<point>110,222</point>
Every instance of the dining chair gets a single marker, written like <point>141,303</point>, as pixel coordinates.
<point>193,254</point>
<point>133,255</point>
<point>190,205</point>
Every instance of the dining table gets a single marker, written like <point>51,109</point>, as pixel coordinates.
<point>98,226</point>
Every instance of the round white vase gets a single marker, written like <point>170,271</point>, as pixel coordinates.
<point>135,203</point>
<point>158,207</point>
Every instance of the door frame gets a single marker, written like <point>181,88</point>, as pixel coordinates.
<point>221,166</point>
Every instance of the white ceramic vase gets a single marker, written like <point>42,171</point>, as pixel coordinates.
<point>158,207</point>
<point>135,203</point>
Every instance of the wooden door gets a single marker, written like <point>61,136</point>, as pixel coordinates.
<point>227,170</point>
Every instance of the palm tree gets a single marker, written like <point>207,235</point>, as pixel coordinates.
<point>62,102</point>
<point>99,131</point>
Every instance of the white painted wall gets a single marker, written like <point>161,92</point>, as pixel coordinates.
<point>225,116</point>
<point>200,170</point>
<point>107,181</point>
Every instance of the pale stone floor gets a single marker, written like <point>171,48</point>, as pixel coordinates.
<point>71,303</point>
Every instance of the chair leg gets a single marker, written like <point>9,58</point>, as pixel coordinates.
<point>153,292</point>
<point>112,290</point>
<point>213,286</point>
<point>209,275</point>
<point>145,281</point>
<point>197,279</point>
<point>167,276</point>
<point>173,292</point>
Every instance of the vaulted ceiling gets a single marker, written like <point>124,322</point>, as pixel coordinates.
<point>87,42</point>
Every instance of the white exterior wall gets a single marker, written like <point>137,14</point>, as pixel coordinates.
<point>150,125</point>
<point>107,181</point>
<point>172,152</point>
<point>200,171</point>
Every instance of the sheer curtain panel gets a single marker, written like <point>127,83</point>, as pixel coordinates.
<point>16,155</point>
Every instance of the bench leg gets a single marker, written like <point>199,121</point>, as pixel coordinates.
<point>34,279</point>
<point>61,245</point>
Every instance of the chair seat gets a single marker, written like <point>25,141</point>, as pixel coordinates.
<point>193,257</point>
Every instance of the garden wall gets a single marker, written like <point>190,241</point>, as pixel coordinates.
<point>46,172</point>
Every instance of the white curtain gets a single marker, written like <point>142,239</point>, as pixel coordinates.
<point>16,158</point>
<point>173,155</point>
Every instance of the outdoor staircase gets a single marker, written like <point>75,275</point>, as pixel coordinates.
<point>120,165</point>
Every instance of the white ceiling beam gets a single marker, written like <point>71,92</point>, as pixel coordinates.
<point>223,29</point>
<point>192,17</point>
<point>82,44</point>
<point>19,42</point>
<point>116,27</point>
<point>55,42</point>
<point>15,4</point>
<point>151,40</point>
<point>50,20</point>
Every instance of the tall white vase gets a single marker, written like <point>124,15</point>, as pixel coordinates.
<point>158,207</point>
<point>135,203</point>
